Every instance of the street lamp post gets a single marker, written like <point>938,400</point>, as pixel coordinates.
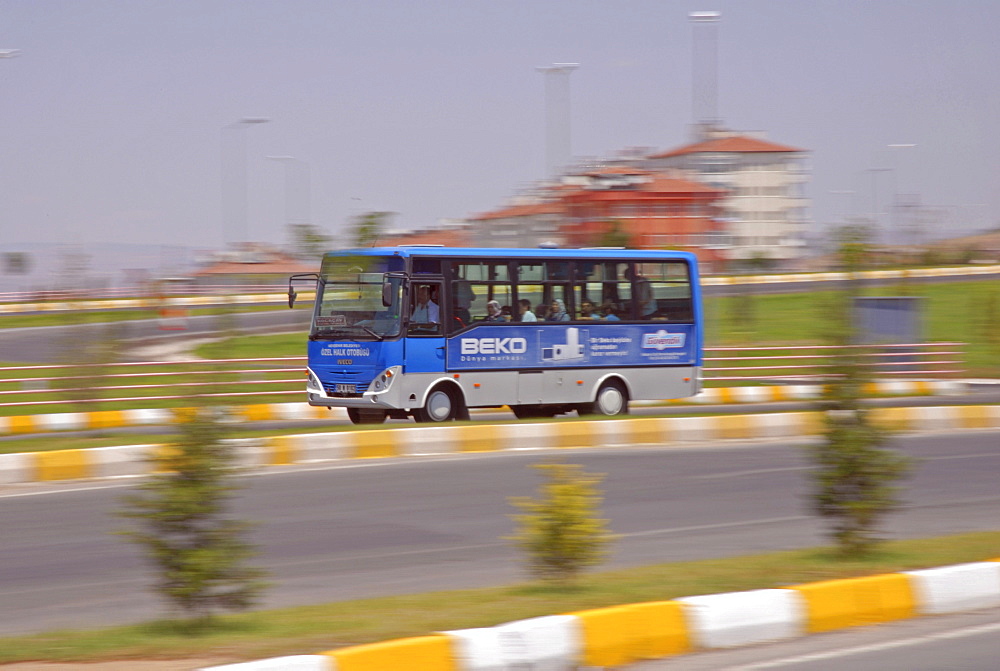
<point>704,70</point>
<point>902,208</point>
<point>235,175</point>
<point>297,189</point>
<point>558,142</point>
<point>875,218</point>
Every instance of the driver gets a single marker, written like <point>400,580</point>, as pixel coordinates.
<point>425,311</point>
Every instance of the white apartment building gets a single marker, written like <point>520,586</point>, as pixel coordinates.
<point>765,210</point>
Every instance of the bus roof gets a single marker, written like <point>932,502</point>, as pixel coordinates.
<point>526,253</point>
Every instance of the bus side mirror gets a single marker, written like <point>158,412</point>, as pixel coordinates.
<point>386,294</point>
<point>291,296</point>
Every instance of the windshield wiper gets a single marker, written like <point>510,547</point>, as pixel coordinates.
<point>369,332</point>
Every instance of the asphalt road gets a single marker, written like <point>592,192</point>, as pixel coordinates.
<point>382,527</point>
<point>960,642</point>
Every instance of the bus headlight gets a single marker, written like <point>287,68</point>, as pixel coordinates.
<point>384,380</point>
<point>312,382</point>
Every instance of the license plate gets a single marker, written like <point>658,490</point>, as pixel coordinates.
<point>347,388</point>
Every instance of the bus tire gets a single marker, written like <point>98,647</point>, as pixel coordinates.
<point>358,416</point>
<point>443,405</point>
<point>611,399</point>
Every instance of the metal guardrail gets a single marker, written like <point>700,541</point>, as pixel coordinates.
<point>935,360</point>
<point>73,382</point>
<point>888,360</point>
<point>102,299</point>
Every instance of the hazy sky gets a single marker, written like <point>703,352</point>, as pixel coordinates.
<point>113,117</point>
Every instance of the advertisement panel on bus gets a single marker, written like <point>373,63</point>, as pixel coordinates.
<point>553,346</point>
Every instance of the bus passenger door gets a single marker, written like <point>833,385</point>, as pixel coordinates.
<point>425,351</point>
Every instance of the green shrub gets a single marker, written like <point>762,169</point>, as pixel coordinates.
<point>561,530</point>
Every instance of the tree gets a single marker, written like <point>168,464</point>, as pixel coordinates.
<point>854,474</point>
<point>184,526</point>
<point>16,263</point>
<point>308,241</point>
<point>367,228</point>
<point>614,235</point>
<point>560,530</point>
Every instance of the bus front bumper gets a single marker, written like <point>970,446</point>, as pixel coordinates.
<point>369,400</point>
<point>386,393</point>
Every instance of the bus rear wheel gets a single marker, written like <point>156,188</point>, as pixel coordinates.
<point>441,406</point>
<point>359,416</point>
<point>611,399</point>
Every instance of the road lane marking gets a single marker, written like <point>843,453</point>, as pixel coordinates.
<point>756,471</point>
<point>875,647</point>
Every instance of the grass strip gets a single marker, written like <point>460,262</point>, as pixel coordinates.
<point>311,629</point>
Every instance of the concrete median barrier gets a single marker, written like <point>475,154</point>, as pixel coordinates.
<point>743,618</point>
<point>420,653</point>
<point>614,636</point>
<point>290,663</point>
<point>952,589</point>
<point>548,643</point>
<point>422,440</point>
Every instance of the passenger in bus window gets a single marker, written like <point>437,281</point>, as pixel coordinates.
<point>462,298</point>
<point>425,311</point>
<point>642,295</point>
<point>505,313</point>
<point>524,305</point>
<point>588,311</point>
<point>557,311</point>
<point>494,314</point>
<point>608,313</point>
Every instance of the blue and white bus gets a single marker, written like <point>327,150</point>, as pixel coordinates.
<point>429,332</point>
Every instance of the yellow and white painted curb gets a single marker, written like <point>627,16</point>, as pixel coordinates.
<point>812,392</point>
<point>619,635</point>
<point>423,440</point>
<point>106,419</point>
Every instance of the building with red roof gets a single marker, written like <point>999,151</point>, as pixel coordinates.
<point>649,210</point>
<point>528,222</point>
<point>765,206</point>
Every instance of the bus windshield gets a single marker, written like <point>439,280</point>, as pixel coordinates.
<point>354,308</point>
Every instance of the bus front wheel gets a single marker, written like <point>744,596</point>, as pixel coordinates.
<point>358,416</point>
<point>441,406</point>
<point>611,399</point>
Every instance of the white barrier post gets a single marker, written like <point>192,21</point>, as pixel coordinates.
<point>951,589</point>
<point>549,643</point>
<point>741,618</point>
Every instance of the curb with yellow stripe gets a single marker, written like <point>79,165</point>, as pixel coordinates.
<point>619,635</point>
<point>106,419</point>
<point>415,441</point>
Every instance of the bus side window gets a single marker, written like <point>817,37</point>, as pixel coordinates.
<point>462,297</point>
<point>500,292</point>
<point>669,288</point>
<point>534,295</point>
